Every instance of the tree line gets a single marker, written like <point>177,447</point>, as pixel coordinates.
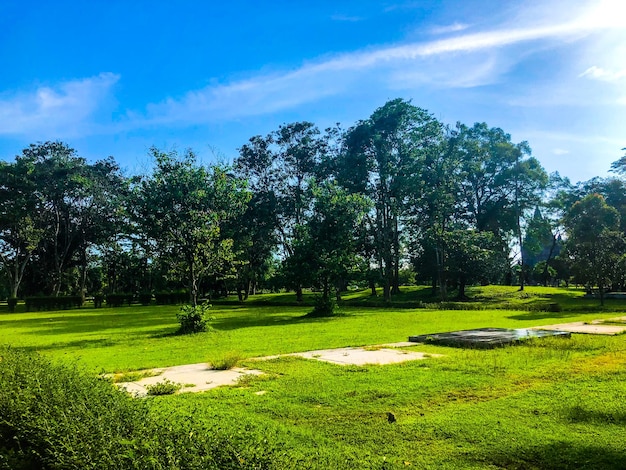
<point>398,197</point>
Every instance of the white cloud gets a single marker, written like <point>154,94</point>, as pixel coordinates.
<point>481,55</point>
<point>452,28</point>
<point>61,111</point>
<point>599,73</point>
<point>559,151</point>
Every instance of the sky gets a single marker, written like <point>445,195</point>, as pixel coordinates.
<point>117,77</point>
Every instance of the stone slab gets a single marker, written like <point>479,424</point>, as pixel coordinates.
<point>363,356</point>
<point>485,338</point>
<point>199,375</point>
<point>593,328</point>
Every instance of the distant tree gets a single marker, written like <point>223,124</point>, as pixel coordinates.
<point>501,183</point>
<point>181,207</point>
<point>325,250</point>
<point>21,225</point>
<point>595,245</point>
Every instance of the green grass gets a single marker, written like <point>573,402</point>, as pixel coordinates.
<point>551,403</point>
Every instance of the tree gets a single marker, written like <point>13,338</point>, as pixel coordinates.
<point>379,161</point>
<point>594,245</point>
<point>501,182</point>
<point>20,223</point>
<point>180,209</point>
<point>279,168</point>
<point>326,248</point>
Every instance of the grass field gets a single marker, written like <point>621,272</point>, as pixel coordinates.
<point>551,403</point>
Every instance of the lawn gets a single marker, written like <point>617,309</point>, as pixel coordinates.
<point>551,403</point>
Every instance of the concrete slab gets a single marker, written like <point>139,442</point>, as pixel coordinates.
<point>484,338</point>
<point>193,377</point>
<point>198,377</point>
<point>363,356</point>
<point>596,327</point>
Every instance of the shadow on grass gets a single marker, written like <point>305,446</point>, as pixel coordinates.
<point>56,323</point>
<point>561,455</point>
<point>82,344</point>
<point>578,414</point>
<point>247,321</point>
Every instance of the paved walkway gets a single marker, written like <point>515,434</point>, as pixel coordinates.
<point>199,377</point>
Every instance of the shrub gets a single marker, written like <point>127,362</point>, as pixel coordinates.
<point>98,300</point>
<point>193,319</point>
<point>324,307</point>
<point>117,300</point>
<point>145,298</point>
<point>56,416</point>
<point>12,303</point>
<point>167,387</point>
<point>64,302</point>
<point>227,362</point>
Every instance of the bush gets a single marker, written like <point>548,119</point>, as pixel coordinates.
<point>52,303</point>
<point>171,297</point>
<point>226,362</point>
<point>98,300</point>
<point>117,300</point>
<point>324,307</point>
<point>167,387</point>
<point>55,416</point>
<point>12,303</point>
<point>145,298</point>
<point>193,319</point>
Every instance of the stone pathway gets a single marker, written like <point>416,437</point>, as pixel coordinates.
<point>199,377</point>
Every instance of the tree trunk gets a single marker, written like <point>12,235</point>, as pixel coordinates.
<point>299,293</point>
<point>373,287</point>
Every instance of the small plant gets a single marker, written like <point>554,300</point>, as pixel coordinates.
<point>167,387</point>
<point>134,376</point>
<point>193,319</point>
<point>227,362</point>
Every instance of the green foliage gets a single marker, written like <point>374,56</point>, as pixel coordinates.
<point>227,361</point>
<point>180,208</point>
<point>145,298</point>
<point>171,297</point>
<point>193,319</point>
<point>595,246</point>
<point>165,387</point>
<point>62,302</point>
<point>56,416</point>
<point>325,306</point>
<point>119,299</point>
<point>12,303</point>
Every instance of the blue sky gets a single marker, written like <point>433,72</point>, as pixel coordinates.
<point>117,77</point>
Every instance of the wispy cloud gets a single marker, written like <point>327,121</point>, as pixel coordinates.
<point>481,56</point>
<point>451,28</point>
<point>61,111</point>
<point>559,151</point>
<point>599,73</point>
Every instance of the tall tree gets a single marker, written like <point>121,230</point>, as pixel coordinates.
<point>501,183</point>
<point>379,161</point>
<point>21,227</point>
<point>279,168</point>
<point>594,245</point>
<point>181,207</point>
